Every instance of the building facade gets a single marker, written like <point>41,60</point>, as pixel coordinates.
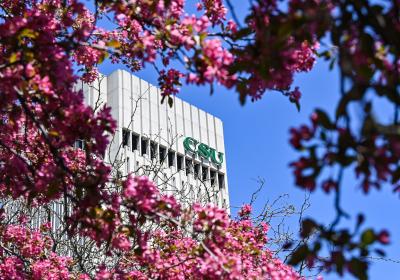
<point>180,147</point>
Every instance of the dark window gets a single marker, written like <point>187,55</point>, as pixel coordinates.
<point>189,166</point>
<point>204,173</point>
<point>135,142</point>
<point>171,158</point>
<point>179,162</point>
<point>153,150</point>
<point>128,165</point>
<point>212,177</point>
<point>221,181</point>
<point>162,151</point>
<point>125,137</point>
<point>144,143</point>
<point>196,170</point>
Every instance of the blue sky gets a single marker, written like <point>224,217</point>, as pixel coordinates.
<point>256,140</point>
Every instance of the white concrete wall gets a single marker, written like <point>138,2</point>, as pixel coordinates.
<point>136,106</point>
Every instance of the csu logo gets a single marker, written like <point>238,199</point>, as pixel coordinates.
<point>193,146</point>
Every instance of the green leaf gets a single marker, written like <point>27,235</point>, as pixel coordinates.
<point>360,220</point>
<point>13,57</point>
<point>285,29</point>
<point>299,255</point>
<point>396,175</point>
<point>339,260</point>
<point>323,119</point>
<point>28,33</point>
<point>53,133</point>
<point>317,247</point>
<point>353,94</point>
<point>380,252</point>
<point>307,227</point>
<point>345,160</point>
<point>368,237</point>
<point>102,57</point>
<point>113,44</point>
<point>287,245</point>
<point>297,106</point>
<point>332,63</point>
<point>170,101</point>
<point>243,32</point>
<point>358,268</point>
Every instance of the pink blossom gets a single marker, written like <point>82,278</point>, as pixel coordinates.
<point>245,211</point>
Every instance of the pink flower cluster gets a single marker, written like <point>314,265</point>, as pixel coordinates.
<point>213,65</point>
<point>374,160</point>
<point>141,194</point>
<point>169,81</point>
<point>234,250</point>
<point>44,115</point>
<point>26,254</point>
<point>30,244</point>
<point>245,211</point>
<point>210,219</point>
<point>168,33</point>
<point>208,244</point>
<point>215,10</point>
<point>270,54</point>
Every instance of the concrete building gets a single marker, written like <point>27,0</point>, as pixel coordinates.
<point>180,147</point>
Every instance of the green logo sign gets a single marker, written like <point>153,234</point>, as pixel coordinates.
<point>193,146</point>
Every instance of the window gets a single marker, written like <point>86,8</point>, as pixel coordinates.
<point>189,166</point>
<point>125,137</point>
<point>144,144</point>
<point>171,158</point>
<point>128,166</point>
<point>196,170</point>
<point>162,151</point>
<point>221,181</point>
<point>212,177</point>
<point>179,162</point>
<point>135,142</point>
<point>153,150</point>
<point>204,173</point>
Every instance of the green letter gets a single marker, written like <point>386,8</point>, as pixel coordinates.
<point>203,151</point>
<point>220,157</point>
<point>188,142</point>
